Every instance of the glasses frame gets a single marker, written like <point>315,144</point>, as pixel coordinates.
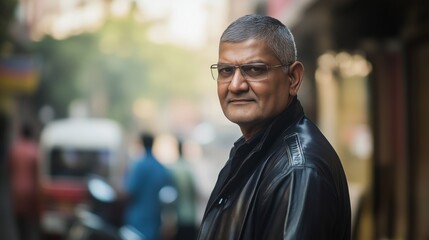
<point>214,67</point>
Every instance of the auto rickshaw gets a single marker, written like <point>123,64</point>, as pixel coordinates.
<point>71,150</point>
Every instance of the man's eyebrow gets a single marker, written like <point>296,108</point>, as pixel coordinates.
<point>256,61</point>
<point>250,62</point>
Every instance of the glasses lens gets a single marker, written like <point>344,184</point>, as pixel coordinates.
<point>225,71</point>
<point>222,72</point>
<point>255,72</point>
<point>252,72</point>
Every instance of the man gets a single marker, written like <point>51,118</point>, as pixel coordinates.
<point>143,184</point>
<point>187,196</point>
<point>283,180</point>
<point>23,168</point>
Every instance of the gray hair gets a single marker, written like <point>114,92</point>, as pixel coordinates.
<point>277,36</point>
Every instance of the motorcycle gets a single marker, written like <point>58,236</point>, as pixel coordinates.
<point>96,220</point>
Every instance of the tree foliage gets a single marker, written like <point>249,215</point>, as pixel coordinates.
<point>118,63</point>
<point>7,11</point>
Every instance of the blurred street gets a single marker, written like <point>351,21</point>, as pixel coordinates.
<point>90,76</point>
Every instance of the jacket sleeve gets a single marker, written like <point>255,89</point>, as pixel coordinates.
<point>300,204</point>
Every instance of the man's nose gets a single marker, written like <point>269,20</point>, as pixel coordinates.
<point>238,81</point>
<point>238,75</point>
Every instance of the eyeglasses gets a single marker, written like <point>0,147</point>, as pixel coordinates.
<point>251,72</point>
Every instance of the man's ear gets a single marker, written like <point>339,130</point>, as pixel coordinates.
<point>296,74</point>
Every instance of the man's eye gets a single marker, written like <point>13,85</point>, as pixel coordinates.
<point>254,70</point>
<point>226,71</point>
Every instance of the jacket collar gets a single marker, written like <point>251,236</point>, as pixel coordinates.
<point>283,121</point>
<point>278,125</point>
<point>245,155</point>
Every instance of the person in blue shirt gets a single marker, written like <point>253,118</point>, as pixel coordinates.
<point>143,183</point>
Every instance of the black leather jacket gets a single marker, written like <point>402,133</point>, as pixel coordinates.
<point>286,182</point>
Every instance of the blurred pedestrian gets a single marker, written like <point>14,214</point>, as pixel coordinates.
<point>283,179</point>
<point>143,183</point>
<point>23,158</point>
<point>187,196</point>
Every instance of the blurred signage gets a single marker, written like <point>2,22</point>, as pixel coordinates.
<point>18,74</point>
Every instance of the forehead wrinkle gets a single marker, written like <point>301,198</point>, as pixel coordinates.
<point>233,56</point>
<point>246,52</point>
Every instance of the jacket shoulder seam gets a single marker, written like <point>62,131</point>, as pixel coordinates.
<point>294,150</point>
